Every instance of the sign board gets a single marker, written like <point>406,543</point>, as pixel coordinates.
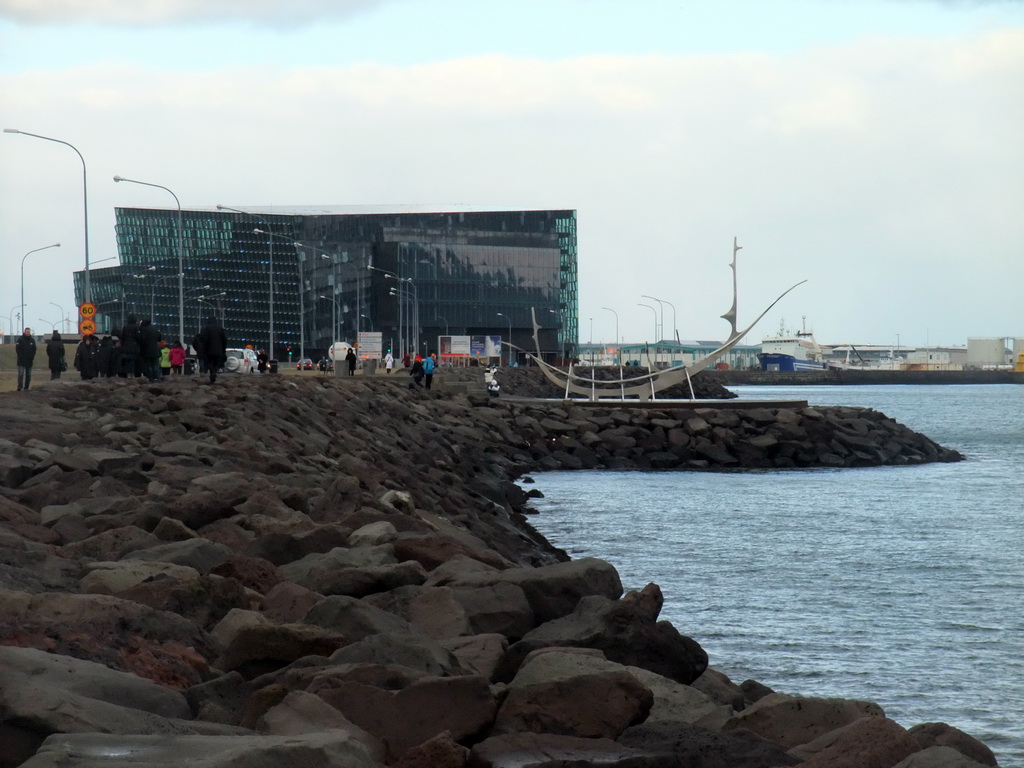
<point>454,346</point>
<point>370,345</point>
<point>87,311</point>
<point>485,346</point>
<point>85,327</point>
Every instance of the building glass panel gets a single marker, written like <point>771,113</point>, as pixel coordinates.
<point>411,276</point>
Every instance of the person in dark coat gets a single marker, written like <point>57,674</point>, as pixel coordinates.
<point>55,355</point>
<point>417,373</point>
<point>130,363</point>
<point>196,341</point>
<point>87,357</point>
<point>213,346</point>
<point>350,358</point>
<point>105,358</point>
<point>149,350</point>
<point>25,348</point>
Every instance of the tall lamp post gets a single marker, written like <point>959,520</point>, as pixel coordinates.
<point>10,319</point>
<point>302,287</point>
<point>34,250</point>
<point>335,331</point>
<point>402,342</point>
<point>62,316</point>
<point>85,198</point>
<point>414,320</point>
<point>509,319</point>
<point>181,254</point>
<point>336,311</point>
<point>618,349</point>
<point>655,328</point>
<point>661,303</point>
<point>270,251</point>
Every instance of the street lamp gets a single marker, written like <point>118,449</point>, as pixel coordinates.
<point>85,198</point>
<point>302,295</point>
<point>414,321</point>
<point>34,250</point>
<point>270,251</point>
<point>181,255</point>
<point>509,319</point>
<point>439,317</point>
<point>62,315</point>
<point>336,309</point>
<point>47,322</point>
<point>656,334</point>
<point>618,349</point>
<point>402,342</point>
<point>220,304</point>
<point>675,333</point>
<point>10,319</point>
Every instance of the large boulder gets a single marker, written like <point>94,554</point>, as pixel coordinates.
<point>356,619</point>
<point>332,747</point>
<point>794,720</point>
<point>463,706</point>
<point>257,647</point>
<point>626,631</point>
<point>546,750</point>
<point>118,633</point>
<point>944,735</point>
<point>554,590</point>
<point>43,694</point>
<point>593,705</point>
<point>432,610</point>
<point>691,744</point>
<point>867,741</point>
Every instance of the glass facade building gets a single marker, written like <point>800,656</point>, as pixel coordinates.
<point>413,276</point>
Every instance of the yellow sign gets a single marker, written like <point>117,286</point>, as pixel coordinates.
<point>85,327</point>
<point>87,311</point>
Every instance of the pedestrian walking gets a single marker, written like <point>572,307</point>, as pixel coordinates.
<point>165,359</point>
<point>429,365</point>
<point>350,358</point>
<point>130,364</point>
<point>389,362</point>
<point>55,356</point>
<point>212,346</point>
<point>176,355</point>
<point>87,357</point>
<point>25,350</point>
<point>107,358</point>
<point>149,349</point>
<point>416,371</point>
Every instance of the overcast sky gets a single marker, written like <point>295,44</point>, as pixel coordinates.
<point>871,147</point>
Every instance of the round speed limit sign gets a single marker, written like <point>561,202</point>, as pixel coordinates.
<point>87,310</point>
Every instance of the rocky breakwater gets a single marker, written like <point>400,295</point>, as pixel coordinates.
<point>279,572</point>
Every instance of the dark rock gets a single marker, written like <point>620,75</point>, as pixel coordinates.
<point>626,631</point>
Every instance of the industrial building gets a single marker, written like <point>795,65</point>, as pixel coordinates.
<point>294,280</point>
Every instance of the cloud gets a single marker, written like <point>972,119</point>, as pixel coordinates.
<point>885,173</point>
<point>148,13</point>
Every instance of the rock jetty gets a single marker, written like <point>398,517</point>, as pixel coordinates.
<point>299,571</point>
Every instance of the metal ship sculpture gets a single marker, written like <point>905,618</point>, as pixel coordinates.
<point>646,386</point>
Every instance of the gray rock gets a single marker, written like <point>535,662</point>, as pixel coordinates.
<point>333,747</point>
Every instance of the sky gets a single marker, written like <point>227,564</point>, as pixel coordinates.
<point>872,148</point>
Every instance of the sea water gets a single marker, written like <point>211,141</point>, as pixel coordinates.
<point>899,585</point>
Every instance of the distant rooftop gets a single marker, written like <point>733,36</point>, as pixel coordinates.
<point>338,210</point>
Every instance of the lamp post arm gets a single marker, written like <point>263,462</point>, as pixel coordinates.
<point>85,198</point>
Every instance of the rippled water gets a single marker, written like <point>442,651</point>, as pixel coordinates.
<point>903,586</point>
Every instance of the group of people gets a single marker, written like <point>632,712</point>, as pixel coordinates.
<point>136,350</point>
<point>421,369</point>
